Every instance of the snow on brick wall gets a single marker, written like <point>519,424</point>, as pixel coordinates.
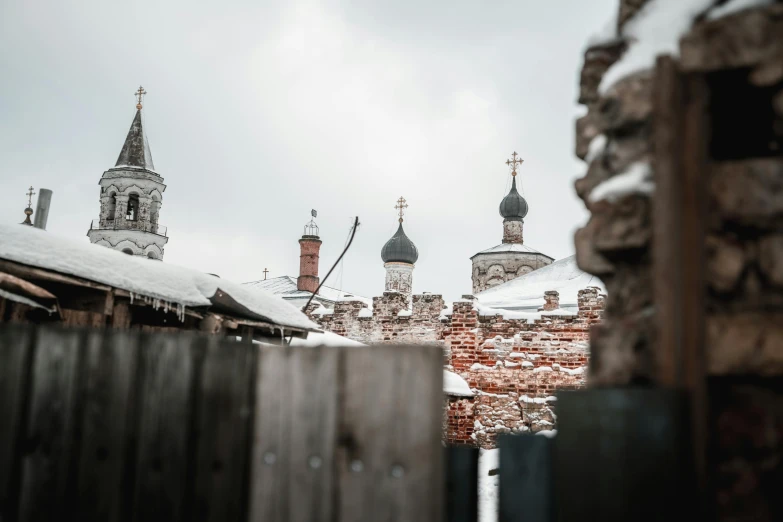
<point>514,366</point>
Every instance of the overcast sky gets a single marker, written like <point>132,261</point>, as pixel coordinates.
<point>259,111</point>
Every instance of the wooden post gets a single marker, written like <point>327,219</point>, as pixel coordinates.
<point>461,484</point>
<point>526,485</point>
<point>681,133</point>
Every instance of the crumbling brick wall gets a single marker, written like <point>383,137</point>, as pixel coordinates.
<point>514,366</point>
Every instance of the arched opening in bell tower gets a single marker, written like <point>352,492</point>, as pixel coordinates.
<point>132,213</point>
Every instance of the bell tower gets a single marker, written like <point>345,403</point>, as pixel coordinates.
<point>131,197</point>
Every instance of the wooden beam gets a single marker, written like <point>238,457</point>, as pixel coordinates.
<point>667,217</point>
<point>29,272</point>
<point>19,286</point>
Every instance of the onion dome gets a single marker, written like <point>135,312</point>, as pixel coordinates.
<point>513,207</point>
<point>399,249</point>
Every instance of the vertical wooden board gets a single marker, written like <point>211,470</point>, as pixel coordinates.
<point>15,350</point>
<point>165,403</point>
<point>223,429</point>
<point>621,454</point>
<point>526,485</point>
<point>108,405</point>
<point>49,438</point>
<point>271,433</point>
<point>461,490</point>
<point>313,424</point>
<point>121,314</point>
<point>667,223</point>
<point>390,463</point>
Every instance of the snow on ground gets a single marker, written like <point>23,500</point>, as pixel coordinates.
<point>636,179</point>
<point>488,486</point>
<point>526,293</point>
<point>656,29</point>
<point>168,284</point>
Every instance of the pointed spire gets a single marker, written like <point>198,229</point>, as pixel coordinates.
<point>136,151</point>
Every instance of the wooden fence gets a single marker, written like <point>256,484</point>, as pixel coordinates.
<point>101,425</point>
<point>110,425</point>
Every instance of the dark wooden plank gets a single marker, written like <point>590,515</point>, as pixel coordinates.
<point>49,452</point>
<point>271,432</point>
<point>168,369</point>
<point>526,485</point>
<point>223,430</point>
<point>461,484</point>
<point>390,459</point>
<point>694,189</point>
<point>667,229</point>
<point>313,410</point>
<point>623,454</point>
<point>15,359</point>
<point>110,377</point>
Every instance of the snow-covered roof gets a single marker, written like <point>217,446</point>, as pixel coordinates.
<point>511,247</point>
<point>527,291</point>
<point>285,286</point>
<point>169,283</point>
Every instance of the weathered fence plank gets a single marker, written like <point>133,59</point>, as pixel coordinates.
<point>168,366</point>
<point>314,384</point>
<point>110,378</point>
<point>15,351</point>
<point>49,450</point>
<point>223,430</point>
<point>461,484</point>
<point>623,454</point>
<point>526,485</point>
<point>390,464</point>
<point>269,476</point>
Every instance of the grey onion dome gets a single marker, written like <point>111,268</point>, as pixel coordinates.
<point>513,206</point>
<point>399,249</point>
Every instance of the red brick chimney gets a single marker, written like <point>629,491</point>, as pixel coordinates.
<point>310,247</point>
<point>309,250</point>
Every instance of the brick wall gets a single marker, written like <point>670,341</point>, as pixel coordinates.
<point>514,366</point>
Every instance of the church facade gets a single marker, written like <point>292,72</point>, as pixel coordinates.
<point>130,198</point>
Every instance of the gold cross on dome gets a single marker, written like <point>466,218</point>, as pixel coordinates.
<point>30,195</point>
<point>140,94</point>
<point>401,206</point>
<point>513,163</point>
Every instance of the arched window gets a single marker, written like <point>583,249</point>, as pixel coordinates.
<point>112,206</point>
<point>152,255</point>
<point>127,251</point>
<point>132,214</point>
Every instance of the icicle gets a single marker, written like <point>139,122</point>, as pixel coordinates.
<point>166,306</point>
<point>131,297</point>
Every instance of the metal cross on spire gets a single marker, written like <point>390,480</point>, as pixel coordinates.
<point>140,94</point>
<point>265,273</point>
<point>401,206</point>
<point>513,163</point>
<point>29,210</point>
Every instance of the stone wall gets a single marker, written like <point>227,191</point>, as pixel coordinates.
<point>736,60</point>
<point>513,366</point>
